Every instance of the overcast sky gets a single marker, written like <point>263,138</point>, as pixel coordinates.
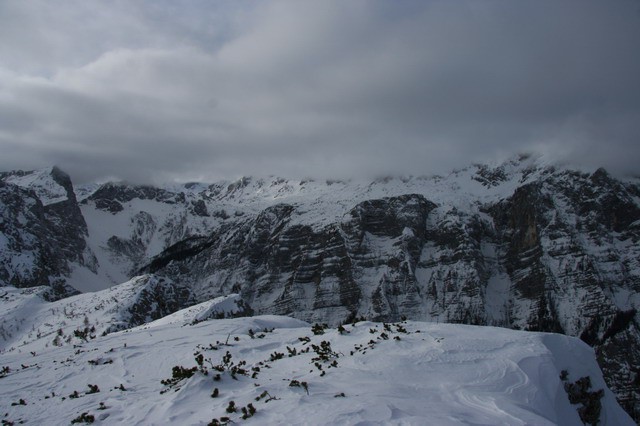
<point>188,90</point>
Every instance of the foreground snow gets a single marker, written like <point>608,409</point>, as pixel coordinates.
<point>431,374</point>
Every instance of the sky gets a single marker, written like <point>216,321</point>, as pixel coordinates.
<point>163,90</point>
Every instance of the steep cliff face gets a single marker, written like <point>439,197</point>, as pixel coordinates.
<point>361,266</point>
<point>570,246</point>
<point>42,231</point>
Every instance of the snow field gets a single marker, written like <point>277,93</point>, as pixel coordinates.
<point>431,374</point>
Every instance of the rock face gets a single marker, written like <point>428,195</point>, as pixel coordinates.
<point>154,298</point>
<point>315,274</point>
<point>519,245</point>
<point>42,231</point>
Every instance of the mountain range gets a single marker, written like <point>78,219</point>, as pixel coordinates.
<point>523,245</point>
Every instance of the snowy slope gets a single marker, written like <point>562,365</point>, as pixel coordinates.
<point>411,373</point>
<point>30,323</point>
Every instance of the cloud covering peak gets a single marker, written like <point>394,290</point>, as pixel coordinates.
<point>203,90</point>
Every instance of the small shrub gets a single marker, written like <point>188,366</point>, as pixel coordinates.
<point>264,396</point>
<point>178,374</point>
<point>20,402</point>
<point>303,385</point>
<point>564,374</point>
<point>4,372</point>
<point>84,418</point>
<point>324,352</point>
<point>248,411</point>
<point>578,393</point>
<point>318,329</point>
<point>276,356</point>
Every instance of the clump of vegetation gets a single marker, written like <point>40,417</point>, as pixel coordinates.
<point>93,389</point>
<point>222,421</point>
<point>100,361</point>
<point>4,372</point>
<point>579,393</point>
<point>564,374</point>
<point>266,396</point>
<point>20,402</point>
<point>262,335</point>
<point>178,374</point>
<point>276,356</point>
<point>318,329</point>
<point>324,352</point>
<point>248,411</point>
<point>84,418</point>
<point>303,385</point>
<point>85,334</point>
<point>353,319</point>
<point>231,367</point>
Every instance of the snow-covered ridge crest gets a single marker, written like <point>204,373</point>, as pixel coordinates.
<point>30,323</point>
<point>281,370</point>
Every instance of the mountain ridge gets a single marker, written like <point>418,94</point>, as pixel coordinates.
<point>523,244</point>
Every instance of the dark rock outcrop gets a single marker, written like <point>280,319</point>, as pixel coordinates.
<point>40,240</point>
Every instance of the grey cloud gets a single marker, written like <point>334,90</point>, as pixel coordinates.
<point>322,88</point>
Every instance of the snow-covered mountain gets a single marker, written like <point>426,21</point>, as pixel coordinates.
<point>42,231</point>
<point>189,369</point>
<point>521,244</point>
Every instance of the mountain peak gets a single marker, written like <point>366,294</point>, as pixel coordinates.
<point>51,184</point>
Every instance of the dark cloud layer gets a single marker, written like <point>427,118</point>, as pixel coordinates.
<point>203,90</point>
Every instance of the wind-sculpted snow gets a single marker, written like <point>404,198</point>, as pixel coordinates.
<point>278,370</point>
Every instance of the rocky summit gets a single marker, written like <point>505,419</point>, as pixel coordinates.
<point>522,245</point>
